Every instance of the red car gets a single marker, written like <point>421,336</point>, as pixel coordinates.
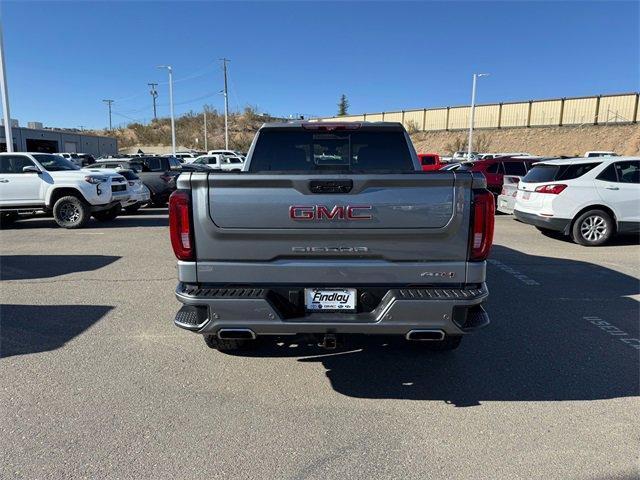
<point>429,161</point>
<point>495,169</point>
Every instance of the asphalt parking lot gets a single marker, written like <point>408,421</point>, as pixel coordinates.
<point>98,383</point>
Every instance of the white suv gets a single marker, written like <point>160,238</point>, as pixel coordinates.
<point>31,182</point>
<point>219,161</point>
<point>589,199</point>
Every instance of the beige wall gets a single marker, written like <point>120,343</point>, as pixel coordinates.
<point>579,111</point>
<point>618,109</point>
<point>514,115</point>
<point>545,113</point>
<point>570,111</point>
<point>436,119</point>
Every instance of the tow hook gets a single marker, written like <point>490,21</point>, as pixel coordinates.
<point>329,341</point>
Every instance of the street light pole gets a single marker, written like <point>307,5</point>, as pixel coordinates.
<point>109,102</point>
<point>473,112</point>
<point>173,122</point>
<point>5,98</point>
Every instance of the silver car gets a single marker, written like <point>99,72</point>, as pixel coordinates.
<point>507,197</point>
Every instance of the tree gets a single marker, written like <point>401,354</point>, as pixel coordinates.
<point>343,106</point>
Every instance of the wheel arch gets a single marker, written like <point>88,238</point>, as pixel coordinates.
<point>56,193</point>
<point>596,206</point>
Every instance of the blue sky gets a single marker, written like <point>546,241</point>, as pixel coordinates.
<point>63,58</point>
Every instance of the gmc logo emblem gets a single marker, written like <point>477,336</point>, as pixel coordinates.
<point>338,212</point>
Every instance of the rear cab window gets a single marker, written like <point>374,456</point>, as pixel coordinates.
<point>347,151</point>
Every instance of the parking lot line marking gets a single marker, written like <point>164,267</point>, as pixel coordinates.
<point>614,331</point>
<point>520,276</point>
<point>90,233</point>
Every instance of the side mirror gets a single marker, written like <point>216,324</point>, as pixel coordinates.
<point>30,169</point>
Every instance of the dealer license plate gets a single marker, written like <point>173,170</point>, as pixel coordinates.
<point>330,299</point>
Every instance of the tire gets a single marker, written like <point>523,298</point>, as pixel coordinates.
<point>446,345</point>
<point>8,218</point>
<point>224,345</point>
<point>71,212</point>
<point>107,215</point>
<point>132,209</point>
<point>592,228</point>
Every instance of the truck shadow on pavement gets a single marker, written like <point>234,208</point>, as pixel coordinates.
<point>539,346</point>
<point>28,267</point>
<point>40,328</point>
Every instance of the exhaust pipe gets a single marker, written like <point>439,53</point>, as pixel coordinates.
<point>425,335</point>
<point>236,334</point>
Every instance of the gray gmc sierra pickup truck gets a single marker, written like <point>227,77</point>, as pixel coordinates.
<point>331,229</point>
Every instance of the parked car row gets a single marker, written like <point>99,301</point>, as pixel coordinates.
<point>589,198</point>
<point>73,192</point>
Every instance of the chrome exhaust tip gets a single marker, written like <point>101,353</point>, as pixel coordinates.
<point>425,335</point>
<point>236,334</point>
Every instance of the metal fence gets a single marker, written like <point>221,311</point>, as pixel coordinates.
<point>599,110</point>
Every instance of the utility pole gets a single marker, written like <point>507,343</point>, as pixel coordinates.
<point>8,136</point>
<point>473,112</point>
<point>109,102</point>
<point>226,104</point>
<point>206,143</point>
<point>173,122</point>
<point>154,95</point>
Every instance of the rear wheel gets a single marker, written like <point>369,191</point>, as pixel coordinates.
<point>71,212</point>
<point>107,215</point>
<point>450,342</point>
<point>592,228</point>
<point>225,345</point>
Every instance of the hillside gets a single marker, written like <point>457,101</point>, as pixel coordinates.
<point>572,141</point>
<point>190,131</point>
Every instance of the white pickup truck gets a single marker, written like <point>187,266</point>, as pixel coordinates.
<point>31,182</point>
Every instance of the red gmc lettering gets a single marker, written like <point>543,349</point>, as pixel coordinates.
<point>321,212</point>
<point>352,213</point>
<point>301,212</point>
<point>336,212</point>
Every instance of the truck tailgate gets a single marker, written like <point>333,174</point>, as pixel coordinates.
<point>243,219</point>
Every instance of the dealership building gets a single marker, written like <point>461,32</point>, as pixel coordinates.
<point>35,138</point>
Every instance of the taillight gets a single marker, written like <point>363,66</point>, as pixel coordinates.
<point>552,189</point>
<point>483,220</point>
<point>180,225</point>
